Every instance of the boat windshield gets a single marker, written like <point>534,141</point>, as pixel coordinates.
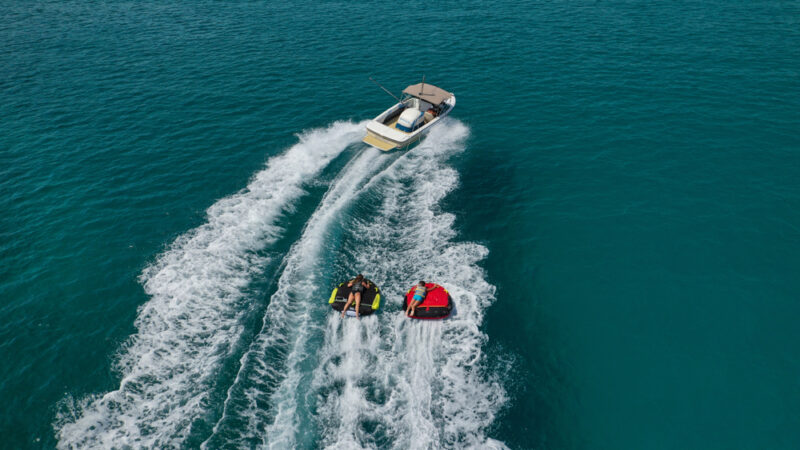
<point>410,102</point>
<point>414,102</point>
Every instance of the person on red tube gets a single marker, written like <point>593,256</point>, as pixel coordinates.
<point>420,292</point>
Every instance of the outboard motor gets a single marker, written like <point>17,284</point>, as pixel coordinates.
<point>409,120</point>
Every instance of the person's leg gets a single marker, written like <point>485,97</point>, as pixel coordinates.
<point>347,305</point>
<point>358,302</point>
<point>414,305</point>
<point>408,306</point>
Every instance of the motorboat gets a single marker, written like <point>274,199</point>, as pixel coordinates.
<point>421,106</point>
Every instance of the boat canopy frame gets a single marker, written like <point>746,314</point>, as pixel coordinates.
<point>428,92</point>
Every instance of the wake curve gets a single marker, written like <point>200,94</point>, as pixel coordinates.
<point>399,383</point>
<point>193,319</point>
<point>308,378</point>
<point>262,403</point>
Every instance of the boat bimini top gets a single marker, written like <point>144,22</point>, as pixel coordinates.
<point>428,92</point>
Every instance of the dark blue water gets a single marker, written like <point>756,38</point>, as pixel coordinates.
<point>614,205</point>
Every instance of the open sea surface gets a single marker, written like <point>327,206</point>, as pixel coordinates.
<point>614,205</point>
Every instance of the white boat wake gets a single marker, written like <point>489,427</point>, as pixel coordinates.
<point>389,381</point>
<point>309,379</point>
<point>193,319</point>
<point>261,404</point>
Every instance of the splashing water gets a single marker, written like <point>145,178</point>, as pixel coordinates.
<point>262,398</point>
<point>310,379</point>
<point>394,382</point>
<point>193,318</point>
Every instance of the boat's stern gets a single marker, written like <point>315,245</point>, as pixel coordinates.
<point>385,138</point>
<point>378,142</point>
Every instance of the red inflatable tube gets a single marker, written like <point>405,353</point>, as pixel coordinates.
<point>436,305</point>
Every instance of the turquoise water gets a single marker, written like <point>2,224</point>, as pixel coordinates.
<point>614,204</point>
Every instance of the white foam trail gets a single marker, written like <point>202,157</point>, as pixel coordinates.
<point>425,386</point>
<point>262,403</point>
<point>345,342</point>
<point>193,319</point>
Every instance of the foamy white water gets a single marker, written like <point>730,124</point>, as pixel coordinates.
<point>395,382</point>
<point>193,318</point>
<point>261,408</point>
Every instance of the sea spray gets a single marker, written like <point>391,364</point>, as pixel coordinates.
<point>193,318</point>
<point>424,385</point>
<point>261,405</point>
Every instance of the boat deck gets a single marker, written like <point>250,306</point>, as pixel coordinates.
<point>385,144</point>
<point>377,142</point>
